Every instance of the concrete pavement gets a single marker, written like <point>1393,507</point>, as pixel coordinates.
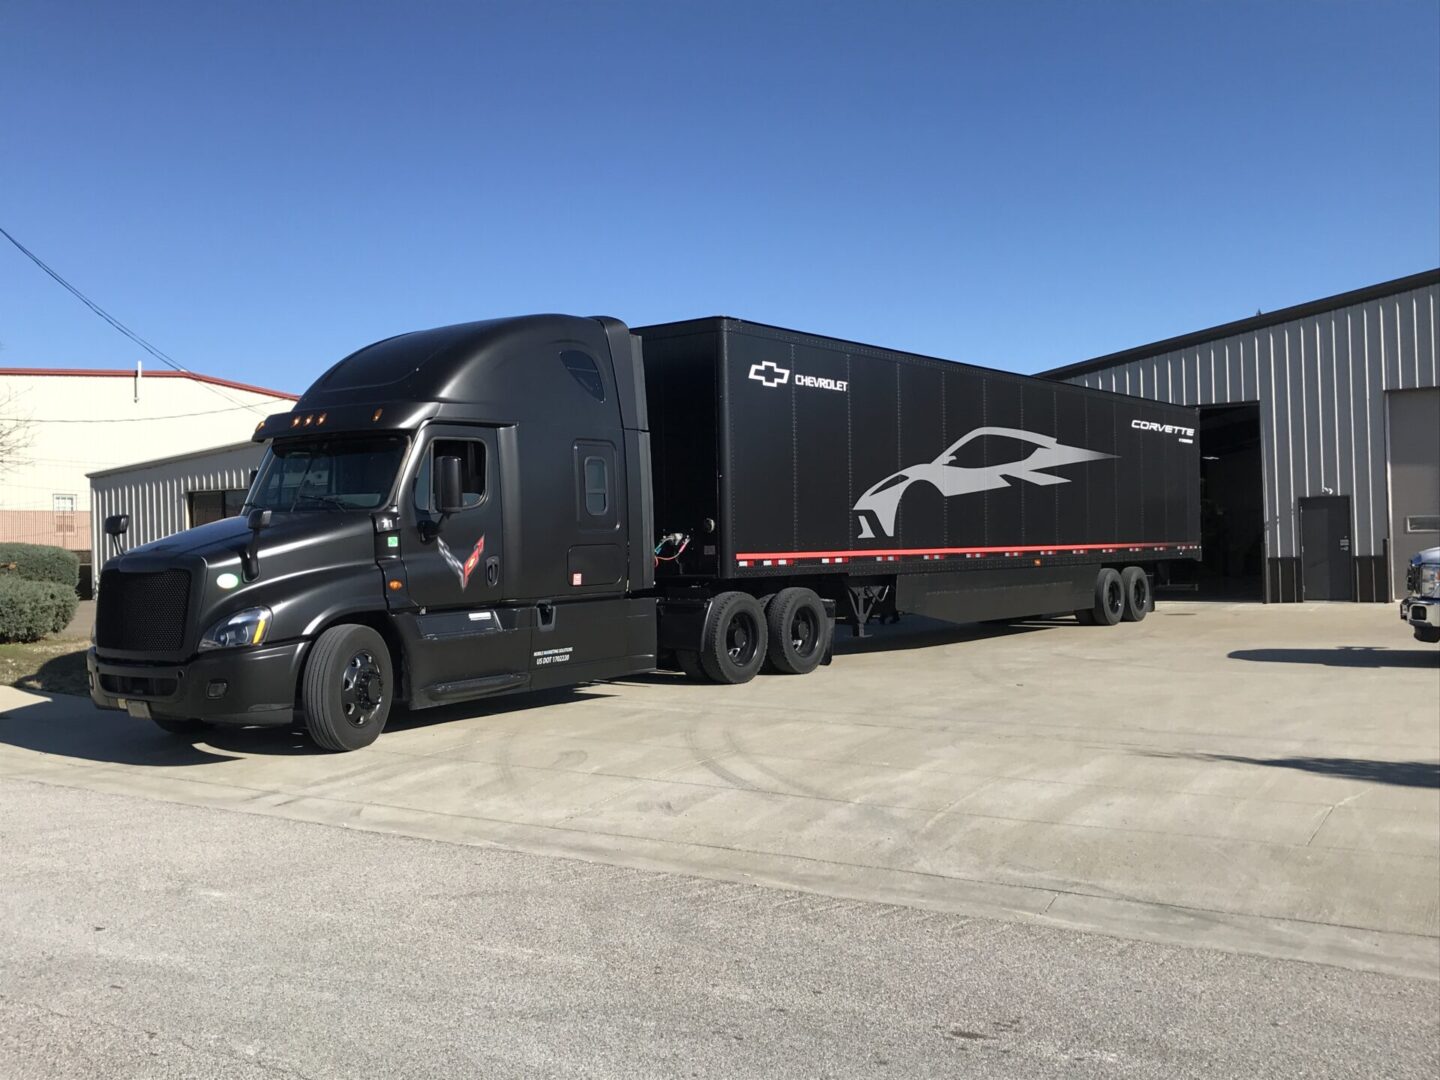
<point>1258,779</point>
<point>148,939</point>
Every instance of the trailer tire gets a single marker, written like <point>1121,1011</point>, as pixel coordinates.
<point>689,663</point>
<point>1109,607</point>
<point>733,644</point>
<point>799,631</point>
<point>347,688</point>
<point>1139,600</point>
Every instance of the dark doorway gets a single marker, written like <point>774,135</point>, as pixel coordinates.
<point>1326,561</point>
<point>1232,514</point>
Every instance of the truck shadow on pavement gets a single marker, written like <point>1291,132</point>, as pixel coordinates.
<point>67,726</point>
<point>1352,656</point>
<point>919,632</point>
<point>1420,774</point>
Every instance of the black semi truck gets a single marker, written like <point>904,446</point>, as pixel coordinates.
<point>548,500</point>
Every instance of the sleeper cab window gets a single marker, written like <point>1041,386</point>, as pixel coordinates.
<point>471,453</point>
<point>585,371</point>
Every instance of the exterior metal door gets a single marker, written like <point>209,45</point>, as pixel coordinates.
<point>456,568</point>
<point>1326,558</point>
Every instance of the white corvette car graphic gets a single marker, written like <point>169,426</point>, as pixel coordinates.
<point>881,504</point>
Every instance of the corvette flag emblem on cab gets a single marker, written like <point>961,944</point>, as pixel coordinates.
<point>462,570</point>
<point>880,505</point>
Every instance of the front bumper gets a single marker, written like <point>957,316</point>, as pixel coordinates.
<point>229,686</point>
<point>1421,610</point>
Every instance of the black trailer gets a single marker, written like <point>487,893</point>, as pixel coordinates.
<point>542,501</point>
<point>894,482</point>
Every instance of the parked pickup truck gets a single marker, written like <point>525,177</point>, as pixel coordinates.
<point>542,501</point>
<point>1421,608</point>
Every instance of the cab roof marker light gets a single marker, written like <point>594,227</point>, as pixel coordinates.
<point>378,414</point>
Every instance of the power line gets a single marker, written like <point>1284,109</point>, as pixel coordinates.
<point>116,323</point>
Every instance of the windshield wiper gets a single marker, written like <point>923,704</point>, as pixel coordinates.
<point>328,500</point>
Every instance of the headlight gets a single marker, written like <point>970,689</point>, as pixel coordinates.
<point>246,627</point>
<point>1429,579</point>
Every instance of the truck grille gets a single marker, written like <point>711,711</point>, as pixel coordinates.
<point>142,612</point>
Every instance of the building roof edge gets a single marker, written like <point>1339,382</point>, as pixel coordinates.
<point>1243,326</point>
<point>110,373</point>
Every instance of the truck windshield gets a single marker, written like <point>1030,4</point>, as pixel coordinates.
<point>331,474</point>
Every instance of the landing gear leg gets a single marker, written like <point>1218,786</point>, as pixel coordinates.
<point>866,602</point>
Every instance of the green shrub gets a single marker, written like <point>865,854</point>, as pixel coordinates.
<point>31,609</point>
<point>39,562</point>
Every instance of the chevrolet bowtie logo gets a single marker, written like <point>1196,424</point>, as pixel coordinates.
<point>770,373</point>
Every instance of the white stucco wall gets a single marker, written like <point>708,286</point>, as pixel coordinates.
<point>77,422</point>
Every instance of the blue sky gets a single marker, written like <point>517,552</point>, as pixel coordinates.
<point>260,188</point>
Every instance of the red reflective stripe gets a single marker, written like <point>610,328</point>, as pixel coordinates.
<point>891,552</point>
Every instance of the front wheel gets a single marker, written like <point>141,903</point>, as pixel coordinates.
<point>348,687</point>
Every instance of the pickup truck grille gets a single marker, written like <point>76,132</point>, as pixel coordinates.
<point>142,612</point>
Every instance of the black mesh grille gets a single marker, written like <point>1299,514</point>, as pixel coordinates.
<point>142,612</point>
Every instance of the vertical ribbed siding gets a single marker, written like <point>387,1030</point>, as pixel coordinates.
<point>157,496</point>
<point>1320,382</point>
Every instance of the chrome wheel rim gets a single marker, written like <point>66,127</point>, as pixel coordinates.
<point>362,689</point>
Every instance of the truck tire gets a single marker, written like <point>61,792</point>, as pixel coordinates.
<point>189,729</point>
<point>733,644</point>
<point>689,662</point>
<point>799,631</point>
<point>1109,605</point>
<point>1139,601</point>
<point>347,688</point>
<point>1428,634</point>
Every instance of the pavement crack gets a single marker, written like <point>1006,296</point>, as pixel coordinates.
<point>1320,824</point>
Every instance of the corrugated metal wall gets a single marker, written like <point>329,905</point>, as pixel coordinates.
<point>1321,383</point>
<point>156,496</point>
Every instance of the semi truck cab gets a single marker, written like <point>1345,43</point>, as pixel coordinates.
<point>470,500</point>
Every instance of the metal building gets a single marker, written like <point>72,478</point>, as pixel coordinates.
<point>170,494</point>
<point>1319,436</point>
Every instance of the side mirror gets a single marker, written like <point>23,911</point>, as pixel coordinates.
<point>117,525</point>
<point>449,495</point>
<point>255,520</point>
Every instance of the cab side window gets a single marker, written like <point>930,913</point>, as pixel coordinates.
<point>471,453</point>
